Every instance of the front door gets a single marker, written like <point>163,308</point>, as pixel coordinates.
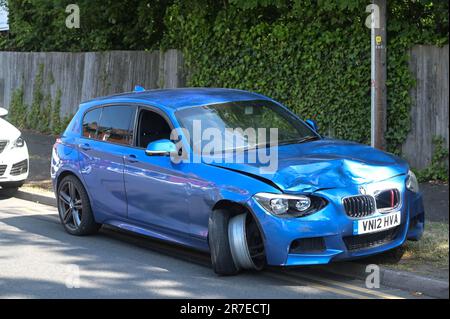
<point>156,188</point>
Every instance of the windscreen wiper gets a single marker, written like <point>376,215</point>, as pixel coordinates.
<point>308,138</point>
<point>298,141</point>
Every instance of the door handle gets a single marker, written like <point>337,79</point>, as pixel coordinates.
<point>84,146</point>
<point>132,158</point>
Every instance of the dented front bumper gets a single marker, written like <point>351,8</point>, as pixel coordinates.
<point>329,232</point>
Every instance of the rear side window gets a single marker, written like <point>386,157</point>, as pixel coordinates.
<point>90,123</point>
<point>117,124</point>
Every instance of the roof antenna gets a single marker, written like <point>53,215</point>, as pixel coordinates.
<point>138,88</point>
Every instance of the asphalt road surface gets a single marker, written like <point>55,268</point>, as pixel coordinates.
<point>38,259</point>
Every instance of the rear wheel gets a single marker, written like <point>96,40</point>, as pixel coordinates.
<point>74,208</point>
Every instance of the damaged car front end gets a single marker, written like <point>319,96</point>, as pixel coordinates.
<point>146,162</point>
<point>335,200</point>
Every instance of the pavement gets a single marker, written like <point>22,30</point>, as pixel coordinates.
<point>38,259</point>
<point>435,201</point>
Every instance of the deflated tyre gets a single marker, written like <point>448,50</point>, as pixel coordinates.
<point>221,258</point>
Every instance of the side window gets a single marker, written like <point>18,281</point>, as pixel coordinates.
<point>152,127</point>
<point>117,124</point>
<point>90,123</point>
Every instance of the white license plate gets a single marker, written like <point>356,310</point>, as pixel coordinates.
<point>372,225</point>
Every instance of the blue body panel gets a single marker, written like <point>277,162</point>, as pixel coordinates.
<point>102,169</point>
<point>156,197</point>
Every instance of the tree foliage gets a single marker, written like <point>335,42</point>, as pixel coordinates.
<point>314,56</point>
<point>39,25</point>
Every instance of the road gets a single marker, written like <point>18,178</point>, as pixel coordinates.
<point>38,259</point>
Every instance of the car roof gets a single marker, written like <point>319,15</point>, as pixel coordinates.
<point>180,98</point>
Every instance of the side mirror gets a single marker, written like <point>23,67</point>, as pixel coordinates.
<point>3,112</point>
<point>162,147</point>
<point>313,125</point>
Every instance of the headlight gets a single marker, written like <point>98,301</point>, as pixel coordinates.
<point>290,205</point>
<point>411,182</point>
<point>20,142</point>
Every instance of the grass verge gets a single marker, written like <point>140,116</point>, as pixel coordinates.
<point>429,255</point>
<point>39,187</point>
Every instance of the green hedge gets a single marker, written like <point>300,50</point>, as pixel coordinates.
<point>40,25</point>
<point>314,58</point>
<point>44,113</point>
<point>312,55</point>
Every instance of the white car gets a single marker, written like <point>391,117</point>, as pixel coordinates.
<point>14,159</point>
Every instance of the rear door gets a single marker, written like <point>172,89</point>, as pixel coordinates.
<point>107,136</point>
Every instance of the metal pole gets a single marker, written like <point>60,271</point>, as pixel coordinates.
<point>372,85</point>
<point>378,76</point>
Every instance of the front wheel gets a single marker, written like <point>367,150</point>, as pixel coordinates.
<point>221,258</point>
<point>74,208</point>
<point>246,242</point>
<point>235,243</point>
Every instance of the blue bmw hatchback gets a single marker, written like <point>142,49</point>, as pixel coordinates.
<point>145,162</point>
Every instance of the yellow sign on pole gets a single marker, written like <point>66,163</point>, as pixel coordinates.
<point>378,39</point>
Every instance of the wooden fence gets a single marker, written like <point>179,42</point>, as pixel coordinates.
<point>429,113</point>
<point>82,76</point>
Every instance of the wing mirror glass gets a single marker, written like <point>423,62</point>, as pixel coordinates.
<point>312,124</point>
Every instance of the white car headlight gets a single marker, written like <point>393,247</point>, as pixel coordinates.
<point>19,142</point>
<point>290,205</point>
<point>411,182</point>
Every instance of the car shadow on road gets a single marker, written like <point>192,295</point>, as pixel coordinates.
<point>116,264</point>
<point>6,193</point>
